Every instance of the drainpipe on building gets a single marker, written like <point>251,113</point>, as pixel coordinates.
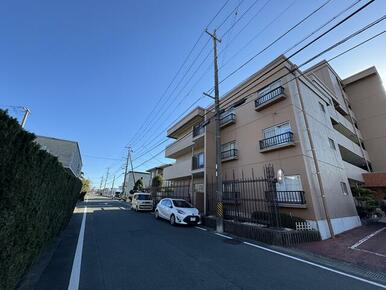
<point>314,157</point>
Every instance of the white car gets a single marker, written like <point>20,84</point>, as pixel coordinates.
<point>177,211</point>
<point>142,201</point>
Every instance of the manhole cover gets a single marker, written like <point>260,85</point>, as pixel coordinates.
<point>232,241</point>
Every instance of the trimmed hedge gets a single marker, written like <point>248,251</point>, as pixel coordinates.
<point>37,198</point>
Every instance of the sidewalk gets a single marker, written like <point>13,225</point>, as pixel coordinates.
<point>364,247</point>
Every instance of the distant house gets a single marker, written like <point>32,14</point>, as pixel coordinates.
<point>66,151</point>
<point>159,170</point>
<point>132,176</point>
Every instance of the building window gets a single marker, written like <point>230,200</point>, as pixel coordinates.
<point>332,143</point>
<point>276,130</point>
<point>228,150</point>
<point>290,183</point>
<point>270,87</point>
<point>344,188</point>
<point>322,107</point>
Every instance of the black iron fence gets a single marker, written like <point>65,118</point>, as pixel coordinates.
<point>246,200</point>
<point>284,138</point>
<point>172,189</point>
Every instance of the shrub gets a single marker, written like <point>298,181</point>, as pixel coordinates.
<point>156,181</point>
<point>37,198</point>
<point>366,203</point>
<point>267,218</point>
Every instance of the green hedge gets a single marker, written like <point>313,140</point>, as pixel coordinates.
<point>37,197</point>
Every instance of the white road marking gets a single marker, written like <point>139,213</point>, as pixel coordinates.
<point>75,272</point>
<point>203,229</point>
<point>317,265</point>
<point>224,236</point>
<point>366,238</point>
<point>370,252</point>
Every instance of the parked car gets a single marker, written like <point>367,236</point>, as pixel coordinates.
<point>177,211</point>
<point>142,201</point>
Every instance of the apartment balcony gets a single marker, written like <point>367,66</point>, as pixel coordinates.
<point>276,142</point>
<point>180,169</point>
<point>228,120</point>
<point>229,155</point>
<point>179,147</point>
<point>186,123</point>
<point>198,131</point>
<point>270,98</point>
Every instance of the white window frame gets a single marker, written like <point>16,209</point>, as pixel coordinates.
<point>332,143</point>
<point>344,187</point>
<point>269,87</point>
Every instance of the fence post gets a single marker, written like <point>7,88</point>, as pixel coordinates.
<point>270,176</point>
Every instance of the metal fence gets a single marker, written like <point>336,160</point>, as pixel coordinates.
<point>172,189</point>
<point>247,200</point>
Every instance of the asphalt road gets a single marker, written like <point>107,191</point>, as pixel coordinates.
<point>123,249</point>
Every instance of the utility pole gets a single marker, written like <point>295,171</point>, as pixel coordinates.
<point>219,207</point>
<point>107,176</point>
<point>112,185</point>
<point>127,164</point>
<point>26,113</point>
<point>131,164</point>
<point>100,185</point>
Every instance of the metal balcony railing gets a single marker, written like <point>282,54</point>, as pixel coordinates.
<point>284,138</point>
<point>198,130</point>
<point>269,96</point>
<point>230,118</point>
<point>197,162</point>
<point>229,154</point>
<point>290,197</point>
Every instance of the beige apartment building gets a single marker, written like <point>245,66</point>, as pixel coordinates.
<point>324,132</point>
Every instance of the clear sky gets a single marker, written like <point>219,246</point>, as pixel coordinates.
<point>92,70</point>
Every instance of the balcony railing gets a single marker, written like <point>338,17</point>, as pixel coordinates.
<point>264,99</point>
<point>290,197</point>
<point>282,139</point>
<point>228,119</point>
<point>198,130</point>
<point>197,163</point>
<point>232,153</point>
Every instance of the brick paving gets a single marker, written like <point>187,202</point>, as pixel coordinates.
<point>363,256</point>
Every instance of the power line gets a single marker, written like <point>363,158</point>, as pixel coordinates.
<point>301,74</point>
<point>326,50</point>
<point>301,21</point>
<point>177,73</point>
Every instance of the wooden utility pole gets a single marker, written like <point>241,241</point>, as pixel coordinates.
<point>219,206</point>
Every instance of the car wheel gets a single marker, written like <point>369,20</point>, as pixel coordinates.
<point>156,214</point>
<point>172,220</point>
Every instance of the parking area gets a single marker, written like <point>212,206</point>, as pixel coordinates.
<point>364,246</point>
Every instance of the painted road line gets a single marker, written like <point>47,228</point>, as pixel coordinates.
<point>370,252</point>
<point>224,236</point>
<point>317,265</point>
<point>203,229</point>
<point>366,238</point>
<point>76,265</point>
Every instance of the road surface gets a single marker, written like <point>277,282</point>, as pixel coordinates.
<point>117,248</point>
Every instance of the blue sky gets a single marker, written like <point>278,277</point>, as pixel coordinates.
<point>92,71</point>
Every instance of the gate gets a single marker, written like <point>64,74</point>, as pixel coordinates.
<point>250,200</point>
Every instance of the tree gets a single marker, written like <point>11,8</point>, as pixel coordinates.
<point>156,181</point>
<point>138,185</point>
<point>86,184</point>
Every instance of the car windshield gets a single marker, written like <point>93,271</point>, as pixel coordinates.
<point>182,203</point>
<point>144,197</point>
